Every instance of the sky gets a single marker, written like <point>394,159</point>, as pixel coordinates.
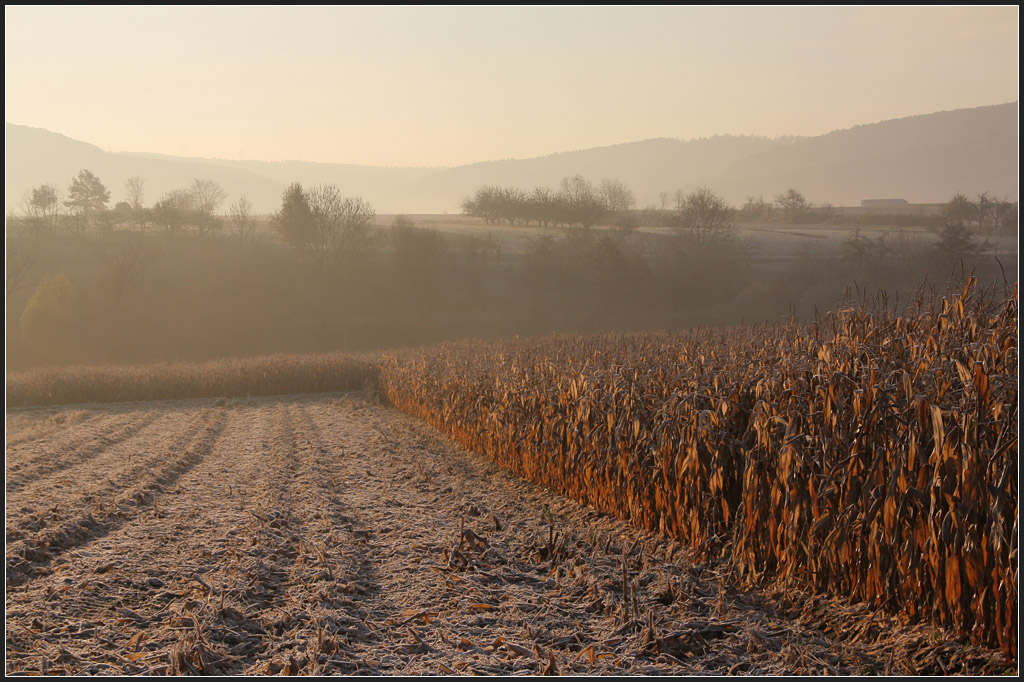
<point>445,86</point>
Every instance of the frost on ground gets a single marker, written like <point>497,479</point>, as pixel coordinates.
<point>327,534</point>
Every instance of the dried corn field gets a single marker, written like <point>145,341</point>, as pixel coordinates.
<point>254,376</point>
<point>871,454</point>
<point>839,498</point>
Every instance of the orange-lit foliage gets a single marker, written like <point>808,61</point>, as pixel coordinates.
<point>871,454</point>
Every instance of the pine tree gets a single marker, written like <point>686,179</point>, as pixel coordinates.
<point>294,222</point>
<point>87,194</point>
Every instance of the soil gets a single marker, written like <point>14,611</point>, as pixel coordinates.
<point>334,535</point>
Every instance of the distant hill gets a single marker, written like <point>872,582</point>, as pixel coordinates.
<point>376,183</point>
<point>920,158</point>
<point>35,156</point>
<point>648,167</point>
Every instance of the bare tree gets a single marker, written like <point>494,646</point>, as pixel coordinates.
<point>135,191</point>
<point>1004,214</point>
<point>793,204</point>
<point>679,196</point>
<point>617,196</point>
<point>515,205</point>
<point>578,190</point>
<point>242,220</point>
<point>339,235</point>
<point>985,207</point>
<point>207,196</point>
<point>583,202</point>
<point>960,210</point>
<point>341,225</point>
<point>42,208</point>
<point>173,209</point>
<point>486,203</point>
<point>326,206</point>
<point>357,225</point>
<point>541,206</point>
<point>705,218</point>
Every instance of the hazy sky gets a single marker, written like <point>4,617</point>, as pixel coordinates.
<point>413,86</point>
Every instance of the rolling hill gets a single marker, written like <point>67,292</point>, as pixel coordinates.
<point>924,158</point>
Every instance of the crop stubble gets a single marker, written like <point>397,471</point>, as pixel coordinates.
<point>332,535</point>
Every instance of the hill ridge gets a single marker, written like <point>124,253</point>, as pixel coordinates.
<point>922,158</point>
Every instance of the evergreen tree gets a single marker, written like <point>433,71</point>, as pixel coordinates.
<point>87,197</point>
<point>294,222</point>
<point>87,194</point>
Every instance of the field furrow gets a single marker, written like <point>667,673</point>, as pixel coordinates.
<point>76,479</point>
<point>57,518</point>
<point>85,483</point>
<point>150,570</point>
<point>25,428</point>
<point>31,461</point>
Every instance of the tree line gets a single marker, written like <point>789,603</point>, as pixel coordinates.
<point>45,210</point>
<point>332,279</point>
<point>579,202</point>
<point>984,212</point>
<point>576,202</point>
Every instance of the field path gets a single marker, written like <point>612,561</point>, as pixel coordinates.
<point>327,534</point>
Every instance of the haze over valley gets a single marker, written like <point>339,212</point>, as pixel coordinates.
<point>923,159</point>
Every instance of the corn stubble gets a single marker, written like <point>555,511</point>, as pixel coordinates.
<point>871,454</point>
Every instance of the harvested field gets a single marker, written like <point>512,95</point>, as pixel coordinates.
<point>329,534</point>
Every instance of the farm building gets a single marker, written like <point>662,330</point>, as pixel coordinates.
<point>882,203</point>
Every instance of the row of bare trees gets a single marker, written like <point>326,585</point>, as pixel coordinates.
<point>790,206</point>
<point>985,212</point>
<point>577,201</point>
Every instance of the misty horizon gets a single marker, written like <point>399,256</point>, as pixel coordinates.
<point>897,158</point>
<point>785,138</point>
